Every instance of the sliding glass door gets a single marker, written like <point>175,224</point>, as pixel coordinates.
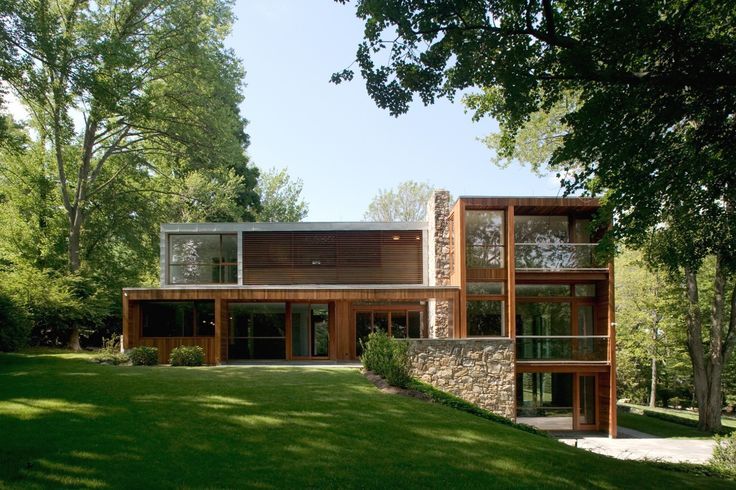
<point>310,330</point>
<point>257,331</point>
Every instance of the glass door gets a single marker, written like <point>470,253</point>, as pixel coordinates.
<point>400,323</point>
<point>586,402</point>
<point>257,331</point>
<point>310,330</point>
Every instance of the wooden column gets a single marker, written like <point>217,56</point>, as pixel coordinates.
<point>510,274</point>
<point>613,421</point>
<point>218,331</point>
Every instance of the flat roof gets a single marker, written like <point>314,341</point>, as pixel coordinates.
<point>294,287</point>
<point>302,226</point>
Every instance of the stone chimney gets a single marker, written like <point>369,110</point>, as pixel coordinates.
<point>438,237</point>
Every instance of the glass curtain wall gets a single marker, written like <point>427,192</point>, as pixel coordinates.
<point>310,330</point>
<point>257,331</point>
<point>203,259</point>
<point>484,239</point>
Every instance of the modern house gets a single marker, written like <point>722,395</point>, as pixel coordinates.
<point>501,298</point>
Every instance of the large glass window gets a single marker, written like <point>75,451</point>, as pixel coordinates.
<point>397,323</point>
<point>540,229</point>
<point>203,259</point>
<point>310,332</point>
<point>484,239</point>
<point>485,288</point>
<point>542,290</point>
<point>177,318</point>
<point>543,319</point>
<point>484,318</point>
<point>257,331</point>
<point>545,400</point>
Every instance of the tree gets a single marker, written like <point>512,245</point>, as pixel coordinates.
<point>281,200</point>
<point>132,100</point>
<point>408,202</point>
<point>653,127</point>
<point>649,316</point>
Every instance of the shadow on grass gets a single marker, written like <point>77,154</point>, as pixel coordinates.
<point>269,427</point>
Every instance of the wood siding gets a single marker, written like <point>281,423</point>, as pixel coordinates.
<point>333,257</point>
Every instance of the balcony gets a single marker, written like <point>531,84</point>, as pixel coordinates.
<point>562,348</point>
<point>556,256</point>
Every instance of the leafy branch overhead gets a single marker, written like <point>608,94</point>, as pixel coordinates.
<point>133,120</point>
<point>652,126</point>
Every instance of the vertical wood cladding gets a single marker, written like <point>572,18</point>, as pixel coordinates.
<point>332,257</point>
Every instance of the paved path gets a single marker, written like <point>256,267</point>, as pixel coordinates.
<point>633,444</point>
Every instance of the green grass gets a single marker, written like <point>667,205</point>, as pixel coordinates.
<point>674,423</point>
<point>657,427</point>
<point>65,422</point>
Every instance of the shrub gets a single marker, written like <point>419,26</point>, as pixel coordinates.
<point>187,355</point>
<point>143,356</point>
<point>724,454</point>
<point>110,353</point>
<point>387,357</point>
<point>15,326</point>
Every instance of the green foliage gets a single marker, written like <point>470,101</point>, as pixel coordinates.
<point>408,202</point>
<point>143,356</point>
<point>649,320</point>
<point>439,396</point>
<point>187,355</point>
<point>724,454</point>
<point>133,121</point>
<point>651,129</point>
<point>111,353</point>
<point>281,199</point>
<point>15,326</point>
<point>387,357</point>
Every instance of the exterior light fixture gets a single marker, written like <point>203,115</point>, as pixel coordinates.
<point>396,237</point>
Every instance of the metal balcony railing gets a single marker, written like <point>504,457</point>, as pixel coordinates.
<point>556,256</point>
<point>579,348</point>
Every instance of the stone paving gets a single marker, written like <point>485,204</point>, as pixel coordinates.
<point>632,444</point>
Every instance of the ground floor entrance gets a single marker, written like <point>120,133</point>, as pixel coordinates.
<point>279,330</point>
<point>558,401</point>
<point>291,323</point>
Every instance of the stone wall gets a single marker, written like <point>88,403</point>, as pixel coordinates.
<point>480,371</point>
<point>438,210</point>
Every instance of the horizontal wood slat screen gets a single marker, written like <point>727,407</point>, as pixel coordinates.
<point>334,257</point>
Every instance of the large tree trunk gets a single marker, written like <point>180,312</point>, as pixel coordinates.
<point>75,231</point>
<point>653,388</point>
<point>701,378</point>
<point>707,369</point>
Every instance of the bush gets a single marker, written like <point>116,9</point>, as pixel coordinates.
<point>187,355</point>
<point>143,356</point>
<point>15,326</point>
<point>387,357</point>
<point>110,352</point>
<point>724,454</point>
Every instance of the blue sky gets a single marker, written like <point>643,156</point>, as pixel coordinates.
<point>334,137</point>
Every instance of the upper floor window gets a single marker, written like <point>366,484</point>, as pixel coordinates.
<point>541,229</point>
<point>553,243</point>
<point>484,239</point>
<point>203,259</point>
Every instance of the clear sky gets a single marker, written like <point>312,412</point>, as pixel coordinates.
<point>334,137</point>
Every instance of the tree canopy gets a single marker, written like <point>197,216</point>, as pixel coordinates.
<point>281,199</point>
<point>407,202</point>
<point>133,120</point>
<point>652,129</point>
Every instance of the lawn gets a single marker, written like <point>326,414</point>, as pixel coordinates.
<point>666,428</point>
<point>65,422</point>
<point>657,427</point>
